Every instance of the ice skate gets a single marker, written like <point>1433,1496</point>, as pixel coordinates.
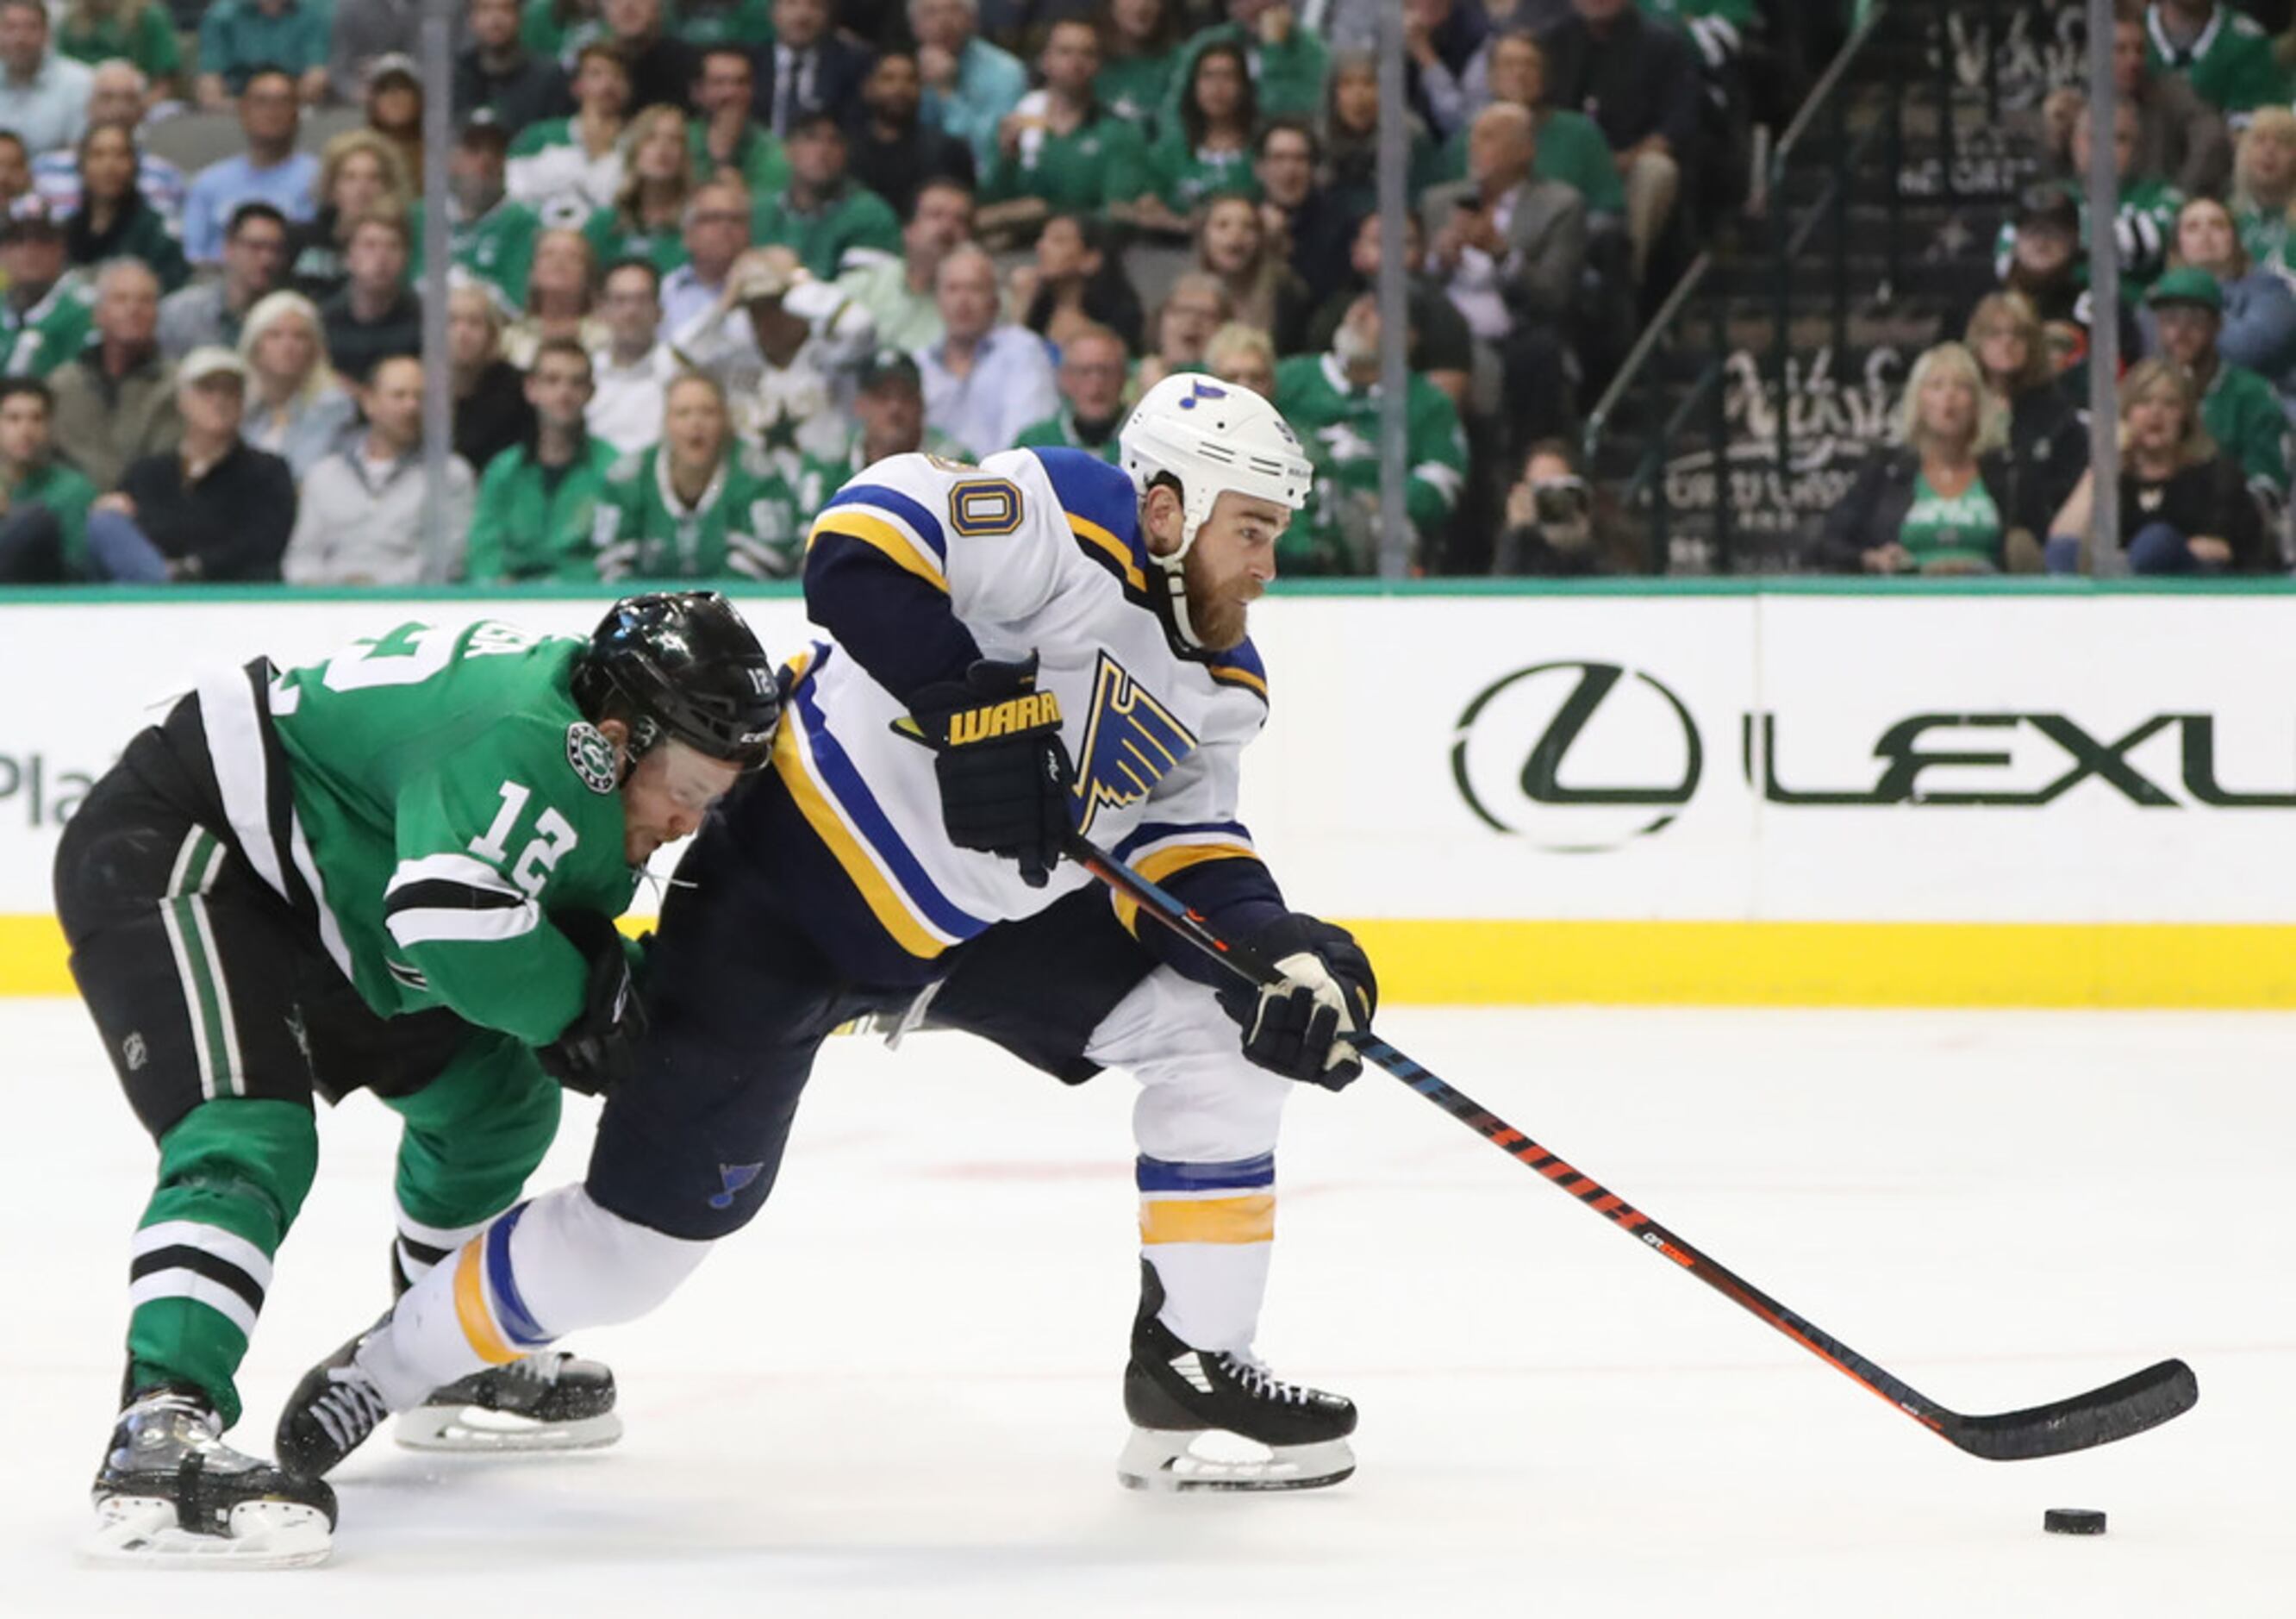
<point>545,1402</point>
<point>334,1410</point>
<point>171,1494</point>
<point>1206,1419</point>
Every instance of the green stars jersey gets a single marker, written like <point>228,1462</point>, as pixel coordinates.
<point>1340,427</point>
<point>1133,88</point>
<point>2144,226</point>
<point>745,522</point>
<point>67,495</point>
<point>51,332</point>
<point>615,236</point>
<point>756,157</point>
<point>854,218</point>
<point>1187,177</point>
<point>497,247</point>
<point>529,525</point>
<point>448,796</point>
<point>2230,65</point>
<point>1099,162</point>
<point>2243,414</point>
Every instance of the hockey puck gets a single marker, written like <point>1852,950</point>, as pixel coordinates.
<point>2072,1520</point>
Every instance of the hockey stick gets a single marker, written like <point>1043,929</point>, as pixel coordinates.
<point>2143,1401</point>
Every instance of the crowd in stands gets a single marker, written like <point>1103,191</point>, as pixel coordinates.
<point>712,257</point>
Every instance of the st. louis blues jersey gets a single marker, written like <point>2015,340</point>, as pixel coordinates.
<point>918,567</point>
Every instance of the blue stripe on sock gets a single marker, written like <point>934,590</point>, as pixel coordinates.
<point>517,1322</point>
<point>1155,1175</point>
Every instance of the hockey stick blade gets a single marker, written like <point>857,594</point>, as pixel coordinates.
<point>2144,1400</point>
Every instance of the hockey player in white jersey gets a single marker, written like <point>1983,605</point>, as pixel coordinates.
<point>1038,643</point>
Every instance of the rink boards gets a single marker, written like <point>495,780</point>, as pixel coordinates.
<point>1942,795</point>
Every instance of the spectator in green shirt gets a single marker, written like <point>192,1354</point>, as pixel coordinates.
<point>1060,150</point>
<point>1139,43</point>
<point>139,31</point>
<point>830,223</point>
<point>647,217</point>
<point>43,503</point>
<point>2264,187</point>
<point>46,314</point>
<point>537,503</point>
<point>723,134</point>
<point>699,504</point>
<point>1094,366</point>
<point>1285,57</point>
<point>237,37</point>
<point>1571,146</point>
<point>1206,149</point>
<point>2238,408</point>
<point>491,236</point>
<point>709,23</point>
<point>2224,52</point>
<point>559,28</point>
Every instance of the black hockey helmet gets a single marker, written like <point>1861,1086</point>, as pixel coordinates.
<point>682,664</point>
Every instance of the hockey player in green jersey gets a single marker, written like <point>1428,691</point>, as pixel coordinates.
<point>395,870</point>
<point>699,504</point>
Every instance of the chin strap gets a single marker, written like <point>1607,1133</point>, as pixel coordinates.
<point>1175,585</point>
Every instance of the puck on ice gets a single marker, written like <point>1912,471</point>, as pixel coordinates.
<point>2072,1520</point>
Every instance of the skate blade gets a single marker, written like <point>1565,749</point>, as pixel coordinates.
<point>1163,1461</point>
<point>142,1531</point>
<point>476,1431</point>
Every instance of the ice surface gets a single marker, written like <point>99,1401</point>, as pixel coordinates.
<point>897,1392</point>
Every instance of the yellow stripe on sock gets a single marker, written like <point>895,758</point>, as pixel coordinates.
<point>1211,1219</point>
<point>470,1306</point>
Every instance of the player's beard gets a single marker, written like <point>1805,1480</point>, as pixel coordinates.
<point>1216,612</point>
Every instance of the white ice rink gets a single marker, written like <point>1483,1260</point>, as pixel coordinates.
<point>897,1391</point>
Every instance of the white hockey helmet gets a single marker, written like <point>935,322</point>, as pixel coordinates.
<point>1211,435</point>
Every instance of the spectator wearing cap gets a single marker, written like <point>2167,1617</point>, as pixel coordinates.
<point>488,393</point>
<point>889,413</point>
<point>360,173</point>
<point>117,401</point>
<point>116,96</point>
<point>359,514</point>
<point>899,294</point>
<point>497,75</point>
<point>297,407</point>
<point>1639,81</point>
<point>970,85</point>
<point>2219,50</point>
<point>114,221</point>
<point>1508,248</point>
<point>374,316</point>
<point>2238,408</point>
<point>538,499</point>
<point>490,237</point>
<point>394,107</point>
<point>808,69</point>
<point>270,170</point>
<point>717,232</point>
<point>631,369</point>
<point>1288,61</point>
<point>46,313</point>
<point>565,166</point>
<point>1094,366</point>
<point>1060,150</point>
<point>726,139</point>
<point>984,381</point>
<point>661,65</point>
<point>2183,509</point>
<point>784,345</point>
<point>42,95</point>
<point>138,34</point>
<point>368,32</point>
<point>2144,217</point>
<point>240,38</point>
<point>1303,217</point>
<point>43,502</point>
<point>2258,329</point>
<point>2040,259</point>
<point>830,222</point>
<point>891,149</point>
<point>646,219</point>
<point>1332,402</point>
<point>210,509</point>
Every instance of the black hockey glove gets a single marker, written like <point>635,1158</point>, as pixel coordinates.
<point>596,1052</point>
<point>1299,1027</point>
<point>1004,773</point>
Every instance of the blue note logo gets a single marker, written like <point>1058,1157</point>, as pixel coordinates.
<point>1131,741</point>
<point>735,1176</point>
